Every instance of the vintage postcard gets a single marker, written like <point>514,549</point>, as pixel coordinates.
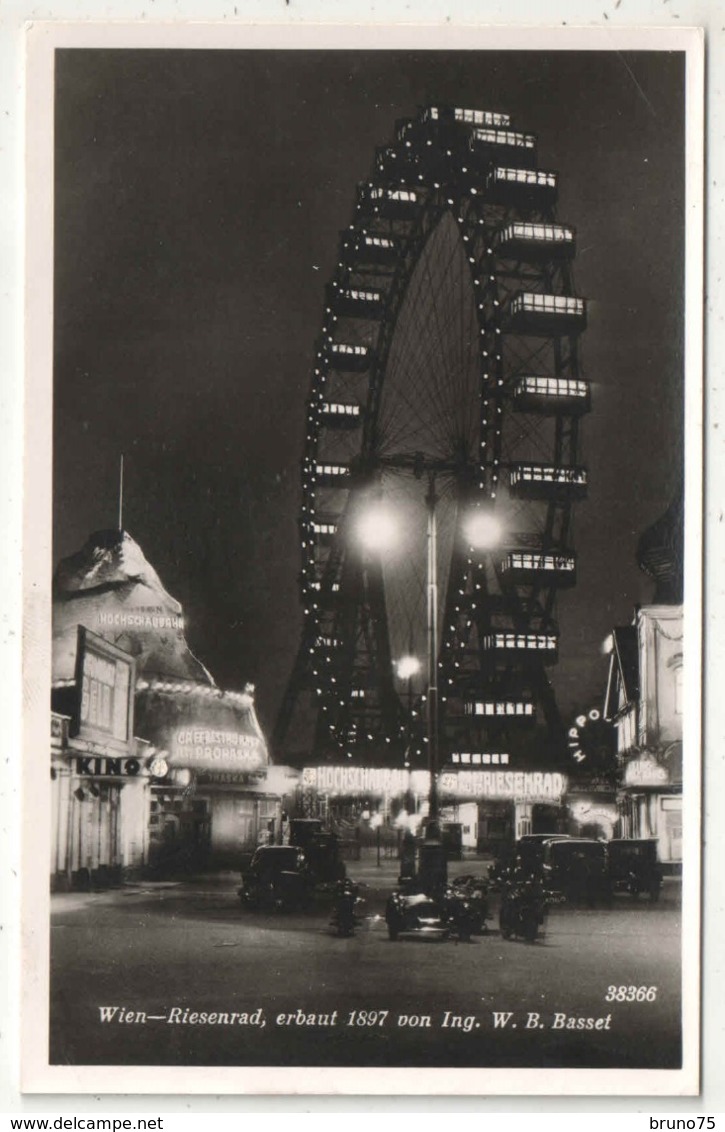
<point>363,556</point>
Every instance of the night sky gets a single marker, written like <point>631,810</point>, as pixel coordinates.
<point>199,198</point>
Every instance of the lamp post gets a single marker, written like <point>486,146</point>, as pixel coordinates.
<point>377,530</point>
<point>406,668</point>
<point>431,713</point>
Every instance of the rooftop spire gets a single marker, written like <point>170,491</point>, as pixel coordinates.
<point>660,552</point>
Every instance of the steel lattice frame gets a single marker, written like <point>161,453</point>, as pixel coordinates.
<point>458,188</point>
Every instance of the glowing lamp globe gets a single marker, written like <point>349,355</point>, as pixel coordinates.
<point>407,667</point>
<point>377,529</point>
<point>482,530</point>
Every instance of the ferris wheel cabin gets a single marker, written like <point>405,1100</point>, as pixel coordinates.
<point>332,475</point>
<point>546,315</point>
<point>524,188</point>
<point>513,646</point>
<point>354,302</point>
<point>465,115</point>
<point>324,530</point>
<point>349,356</point>
<point>369,248</point>
<point>525,566</point>
<point>547,481</point>
<point>398,203</point>
<point>549,396</point>
<point>501,709</point>
<point>525,240</point>
<point>489,145</point>
<point>340,414</point>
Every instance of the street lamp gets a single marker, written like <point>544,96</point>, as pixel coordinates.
<point>407,667</point>
<point>376,527</point>
<point>482,529</point>
<point>377,530</point>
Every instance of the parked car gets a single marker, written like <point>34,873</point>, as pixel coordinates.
<point>527,852</point>
<point>278,877</point>
<point>302,830</point>
<point>634,867</point>
<point>323,856</point>
<point>321,847</point>
<point>523,907</point>
<point>578,869</point>
<point>415,913</point>
<point>474,889</point>
<point>450,914</point>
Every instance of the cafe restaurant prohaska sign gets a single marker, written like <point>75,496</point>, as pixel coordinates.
<point>205,749</point>
<point>519,786</point>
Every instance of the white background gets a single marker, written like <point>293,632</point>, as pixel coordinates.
<point>709,14</point>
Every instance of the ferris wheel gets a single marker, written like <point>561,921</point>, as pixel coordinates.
<point>446,376</point>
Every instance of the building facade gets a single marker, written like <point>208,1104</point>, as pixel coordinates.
<point>185,782</point>
<point>100,780</point>
<point>644,700</point>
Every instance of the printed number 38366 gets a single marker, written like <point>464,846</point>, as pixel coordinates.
<point>630,994</point>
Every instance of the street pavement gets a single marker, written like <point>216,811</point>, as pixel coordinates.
<point>195,979</point>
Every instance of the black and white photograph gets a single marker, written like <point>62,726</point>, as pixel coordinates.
<point>369,529</point>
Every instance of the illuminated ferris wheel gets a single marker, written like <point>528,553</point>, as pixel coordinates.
<point>446,375</point>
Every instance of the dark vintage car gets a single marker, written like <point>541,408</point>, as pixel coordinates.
<point>321,848</point>
<point>523,906</point>
<point>303,830</point>
<point>474,890</point>
<point>454,913</point>
<point>415,913</point>
<point>527,853</point>
<point>578,869</point>
<point>278,877</point>
<point>634,867</point>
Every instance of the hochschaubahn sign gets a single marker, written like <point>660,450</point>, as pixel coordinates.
<point>497,784</point>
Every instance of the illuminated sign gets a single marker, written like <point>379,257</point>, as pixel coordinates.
<point>645,771</point>
<point>201,748</point>
<point>575,740</point>
<point>110,768</point>
<point>520,786</point>
<point>479,758</point>
<point>358,780</point>
<point>104,678</point>
<point>585,812</point>
<point>141,618</point>
<point>513,785</point>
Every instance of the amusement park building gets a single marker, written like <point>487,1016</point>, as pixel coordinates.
<point>644,697</point>
<point>153,766</point>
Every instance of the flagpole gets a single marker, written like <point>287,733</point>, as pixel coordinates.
<point>120,496</point>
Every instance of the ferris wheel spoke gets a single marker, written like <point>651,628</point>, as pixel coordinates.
<point>432,371</point>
